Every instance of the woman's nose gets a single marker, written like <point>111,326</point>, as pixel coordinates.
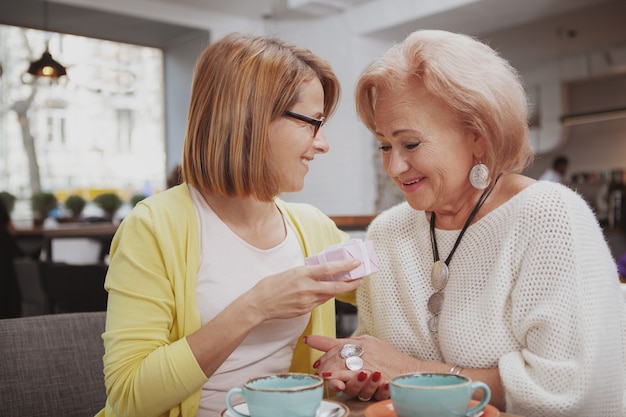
<point>320,143</point>
<point>396,164</point>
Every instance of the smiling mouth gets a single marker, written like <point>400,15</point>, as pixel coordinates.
<point>412,182</point>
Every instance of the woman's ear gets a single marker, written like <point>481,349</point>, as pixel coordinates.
<point>479,146</point>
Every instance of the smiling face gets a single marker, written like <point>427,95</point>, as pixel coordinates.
<point>425,150</point>
<point>291,142</point>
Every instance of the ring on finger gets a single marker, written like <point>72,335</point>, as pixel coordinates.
<point>364,399</point>
<point>352,355</point>
<point>349,350</point>
<point>354,363</point>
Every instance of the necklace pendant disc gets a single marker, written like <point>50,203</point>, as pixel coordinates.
<point>439,275</point>
<point>435,302</point>
<point>433,324</point>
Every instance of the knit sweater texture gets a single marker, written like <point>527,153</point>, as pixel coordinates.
<point>533,290</point>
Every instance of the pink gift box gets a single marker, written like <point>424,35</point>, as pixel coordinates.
<point>354,248</point>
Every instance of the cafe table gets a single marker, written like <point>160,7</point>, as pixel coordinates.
<point>357,408</point>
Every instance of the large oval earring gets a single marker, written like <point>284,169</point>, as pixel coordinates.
<point>479,176</point>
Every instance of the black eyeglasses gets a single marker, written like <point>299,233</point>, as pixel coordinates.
<point>316,123</point>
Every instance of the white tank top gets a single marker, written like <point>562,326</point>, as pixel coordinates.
<point>229,266</point>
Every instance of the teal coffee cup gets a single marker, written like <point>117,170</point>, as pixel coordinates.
<point>289,394</point>
<point>435,395</point>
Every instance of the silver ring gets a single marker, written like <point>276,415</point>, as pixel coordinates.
<point>364,399</point>
<point>349,350</point>
<point>354,363</point>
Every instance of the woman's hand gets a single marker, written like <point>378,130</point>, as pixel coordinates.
<point>288,294</point>
<point>381,362</point>
<point>297,291</point>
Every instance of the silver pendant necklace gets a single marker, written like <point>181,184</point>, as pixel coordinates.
<point>440,272</point>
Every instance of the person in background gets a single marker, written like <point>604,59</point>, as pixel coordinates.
<point>207,282</point>
<point>558,170</point>
<point>10,295</point>
<point>484,272</point>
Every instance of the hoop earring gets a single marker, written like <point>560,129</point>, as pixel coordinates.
<point>479,176</point>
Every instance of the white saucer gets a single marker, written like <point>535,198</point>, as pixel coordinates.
<point>325,406</point>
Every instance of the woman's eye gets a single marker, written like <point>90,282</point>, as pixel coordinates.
<point>384,148</point>
<point>412,145</point>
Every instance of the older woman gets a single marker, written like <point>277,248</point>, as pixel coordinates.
<point>484,272</point>
<point>207,283</point>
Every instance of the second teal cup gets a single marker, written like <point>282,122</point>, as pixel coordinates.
<point>435,395</point>
<point>289,394</point>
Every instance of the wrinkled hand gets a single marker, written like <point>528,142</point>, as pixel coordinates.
<point>299,290</point>
<point>381,362</point>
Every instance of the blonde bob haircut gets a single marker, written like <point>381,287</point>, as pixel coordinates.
<point>241,83</point>
<point>480,87</point>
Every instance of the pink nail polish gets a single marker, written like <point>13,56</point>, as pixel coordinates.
<point>327,374</point>
<point>376,376</point>
<point>316,364</point>
<point>362,376</point>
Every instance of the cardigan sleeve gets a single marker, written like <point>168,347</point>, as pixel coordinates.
<point>149,367</point>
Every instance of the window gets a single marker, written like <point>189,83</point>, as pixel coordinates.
<point>102,127</point>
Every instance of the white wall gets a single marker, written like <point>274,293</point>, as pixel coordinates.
<point>180,59</point>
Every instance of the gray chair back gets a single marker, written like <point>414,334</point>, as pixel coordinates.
<point>52,365</point>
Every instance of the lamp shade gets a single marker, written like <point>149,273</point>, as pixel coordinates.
<point>46,66</point>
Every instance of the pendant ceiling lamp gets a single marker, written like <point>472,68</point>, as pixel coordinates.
<point>46,66</point>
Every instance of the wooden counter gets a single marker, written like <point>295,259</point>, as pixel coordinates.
<point>102,232</point>
<point>352,222</point>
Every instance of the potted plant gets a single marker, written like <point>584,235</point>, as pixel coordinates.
<point>75,204</point>
<point>42,203</point>
<point>109,203</point>
<point>136,199</point>
<point>8,199</point>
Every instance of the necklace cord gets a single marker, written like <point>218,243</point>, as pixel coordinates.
<point>479,204</point>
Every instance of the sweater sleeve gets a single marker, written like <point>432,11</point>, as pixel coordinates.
<point>149,367</point>
<point>566,314</point>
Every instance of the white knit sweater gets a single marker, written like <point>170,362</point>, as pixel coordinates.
<point>533,290</point>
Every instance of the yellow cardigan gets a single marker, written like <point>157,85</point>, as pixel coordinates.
<point>148,366</point>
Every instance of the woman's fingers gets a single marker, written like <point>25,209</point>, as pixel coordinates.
<point>382,393</point>
<point>326,270</point>
<point>370,387</point>
<point>302,289</point>
<point>363,384</point>
<point>322,343</point>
